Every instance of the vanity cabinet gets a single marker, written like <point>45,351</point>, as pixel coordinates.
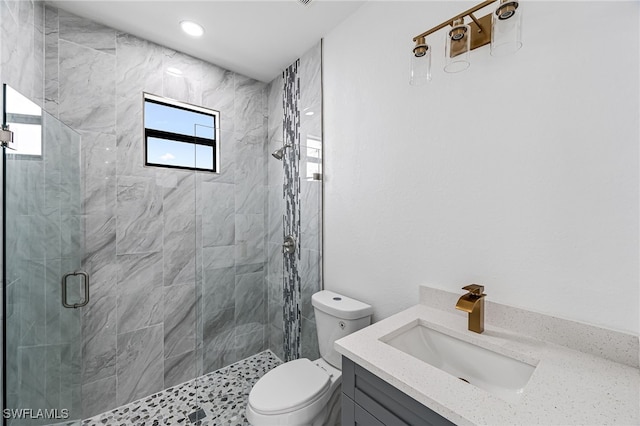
<point>368,400</point>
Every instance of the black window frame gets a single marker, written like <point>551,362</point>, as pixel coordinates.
<point>179,137</point>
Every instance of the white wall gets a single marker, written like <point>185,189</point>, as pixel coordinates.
<point>520,173</point>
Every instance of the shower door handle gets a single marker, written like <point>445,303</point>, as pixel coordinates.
<point>85,279</point>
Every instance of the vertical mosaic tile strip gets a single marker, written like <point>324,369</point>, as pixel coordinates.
<point>291,217</point>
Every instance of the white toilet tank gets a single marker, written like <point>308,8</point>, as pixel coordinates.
<point>337,316</point>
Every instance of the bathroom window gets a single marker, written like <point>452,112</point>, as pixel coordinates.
<point>179,135</point>
<point>24,119</point>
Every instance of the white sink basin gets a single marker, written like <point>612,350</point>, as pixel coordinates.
<point>501,375</point>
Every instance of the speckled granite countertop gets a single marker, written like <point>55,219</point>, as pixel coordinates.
<point>568,387</point>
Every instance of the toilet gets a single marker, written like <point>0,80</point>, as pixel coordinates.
<point>305,392</point>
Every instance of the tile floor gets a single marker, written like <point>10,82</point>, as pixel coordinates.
<point>218,398</point>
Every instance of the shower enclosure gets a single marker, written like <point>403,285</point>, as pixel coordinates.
<point>185,270</point>
<point>58,281</point>
<point>68,303</point>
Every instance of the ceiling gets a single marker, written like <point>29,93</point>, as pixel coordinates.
<point>256,38</point>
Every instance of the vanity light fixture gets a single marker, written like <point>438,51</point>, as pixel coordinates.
<point>506,29</point>
<point>457,47</point>
<point>420,63</point>
<point>502,28</point>
<point>192,28</point>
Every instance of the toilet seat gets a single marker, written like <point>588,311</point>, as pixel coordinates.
<point>289,387</point>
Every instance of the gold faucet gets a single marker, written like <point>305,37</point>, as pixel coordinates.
<point>473,303</point>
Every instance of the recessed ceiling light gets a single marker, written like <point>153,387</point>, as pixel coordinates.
<point>191,28</point>
<point>174,71</point>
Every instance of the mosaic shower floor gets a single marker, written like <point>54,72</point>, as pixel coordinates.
<point>218,398</point>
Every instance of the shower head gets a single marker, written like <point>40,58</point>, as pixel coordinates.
<point>278,153</point>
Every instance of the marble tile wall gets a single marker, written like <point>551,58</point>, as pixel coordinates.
<point>310,268</point>
<point>275,212</point>
<point>309,200</point>
<point>177,258</point>
<point>21,62</point>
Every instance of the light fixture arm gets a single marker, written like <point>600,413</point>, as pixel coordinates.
<point>450,21</point>
<point>473,18</point>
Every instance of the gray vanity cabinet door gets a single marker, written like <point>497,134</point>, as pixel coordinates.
<point>353,414</point>
<point>369,400</point>
<point>364,418</point>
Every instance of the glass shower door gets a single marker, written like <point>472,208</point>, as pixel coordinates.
<point>43,252</point>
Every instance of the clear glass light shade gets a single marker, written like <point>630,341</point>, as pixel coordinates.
<point>420,72</point>
<point>506,29</point>
<point>457,48</point>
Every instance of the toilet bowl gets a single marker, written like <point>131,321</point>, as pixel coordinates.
<point>303,392</point>
<point>308,393</point>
